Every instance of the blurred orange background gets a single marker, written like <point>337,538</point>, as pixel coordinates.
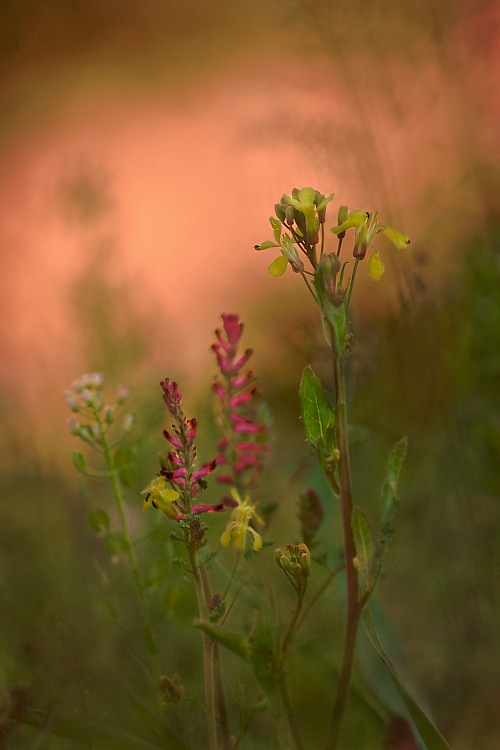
<point>143,147</point>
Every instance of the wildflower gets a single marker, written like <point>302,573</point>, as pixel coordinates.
<point>302,212</point>
<point>160,496</point>
<point>173,490</point>
<point>367,226</point>
<point>246,442</point>
<point>239,524</point>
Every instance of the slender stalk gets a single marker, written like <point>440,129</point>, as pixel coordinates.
<point>287,638</point>
<point>353,608</point>
<point>217,672</point>
<point>120,506</point>
<point>290,714</point>
<point>319,593</point>
<point>207,653</point>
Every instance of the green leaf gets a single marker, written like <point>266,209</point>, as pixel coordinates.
<point>430,735</point>
<point>317,414</point>
<point>98,521</point>
<point>97,734</point>
<point>116,544</point>
<point>389,499</point>
<point>364,545</point>
<point>125,465</point>
<point>232,641</point>
<point>79,462</point>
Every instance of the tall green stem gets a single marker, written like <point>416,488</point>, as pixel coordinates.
<point>207,652</point>
<point>353,608</point>
<point>132,557</point>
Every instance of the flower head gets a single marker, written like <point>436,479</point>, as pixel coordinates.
<point>239,524</point>
<point>160,496</point>
<point>367,226</point>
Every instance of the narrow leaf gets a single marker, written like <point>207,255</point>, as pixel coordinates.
<point>389,499</point>
<point>232,641</point>
<point>79,462</point>
<point>430,735</point>
<point>317,414</point>
<point>125,465</point>
<point>364,545</point>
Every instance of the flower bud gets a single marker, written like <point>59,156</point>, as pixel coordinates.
<point>73,426</point>
<point>122,395</point>
<point>128,423</point>
<point>305,563</point>
<point>109,415</point>
<point>286,563</point>
<point>280,212</point>
<point>72,401</point>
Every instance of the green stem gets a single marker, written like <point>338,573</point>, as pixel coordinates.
<point>353,608</point>
<point>217,672</point>
<point>207,652</point>
<point>132,557</point>
<point>319,593</point>
<point>290,631</point>
<point>351,285</point>
<point>290,714</point>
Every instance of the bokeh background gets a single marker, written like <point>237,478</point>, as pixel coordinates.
<point>142,147</point>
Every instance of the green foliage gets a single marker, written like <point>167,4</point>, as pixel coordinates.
<point>317,414</point>
<point>389,498</point>
<point>124,460</point>
<point>429,734</point>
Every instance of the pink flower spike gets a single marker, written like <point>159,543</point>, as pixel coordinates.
<point>171,395</point>
<point>232,327</point>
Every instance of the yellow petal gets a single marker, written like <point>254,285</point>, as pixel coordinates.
<point>278,266</point>
<point>375,267</point>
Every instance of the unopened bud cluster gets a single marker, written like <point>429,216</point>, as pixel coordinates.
<point>171,688</point>
<point>85,397</point>
<point>295,560</point>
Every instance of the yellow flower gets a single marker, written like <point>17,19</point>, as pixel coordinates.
<point>239,524</point>
<point>160,496</point>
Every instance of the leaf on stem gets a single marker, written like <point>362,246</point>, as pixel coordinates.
<point>389,499</point>
<point>125,465</point>
<point>79,462</point>
<point>430,735</point>
<point>98,521</point>
<point>365,547</point>
<point>317,414</point>
<point>238,644</point>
